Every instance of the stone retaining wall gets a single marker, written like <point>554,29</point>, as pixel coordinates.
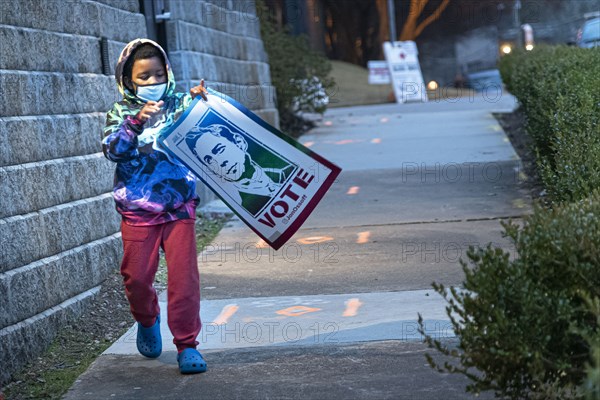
<point>58,228</point>
<point>59,231</point>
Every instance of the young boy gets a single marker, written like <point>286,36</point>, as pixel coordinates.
<point>156,197</point>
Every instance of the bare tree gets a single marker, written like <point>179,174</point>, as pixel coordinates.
<point>412,28</point>
<point>355,29</point>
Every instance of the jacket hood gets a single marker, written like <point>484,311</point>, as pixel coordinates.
<point>125,54</point>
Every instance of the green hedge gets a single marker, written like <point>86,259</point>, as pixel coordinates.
<point>530,327</point>
<point>559,90</point>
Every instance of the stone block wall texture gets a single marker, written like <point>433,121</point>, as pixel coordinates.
<point>59,231</point>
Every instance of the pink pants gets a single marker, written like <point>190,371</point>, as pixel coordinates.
<point>140,262</point>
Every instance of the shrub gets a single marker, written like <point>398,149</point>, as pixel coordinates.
<point>558,88</point>
<point>526,329</point>
<point>313,97</point>
<point>591,386</point>
<point>293,66</point>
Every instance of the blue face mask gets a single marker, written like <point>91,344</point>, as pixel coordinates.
<point>151,92</point>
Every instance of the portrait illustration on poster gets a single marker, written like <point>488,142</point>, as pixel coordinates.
<point>269,180</point>
<point>224,151</point>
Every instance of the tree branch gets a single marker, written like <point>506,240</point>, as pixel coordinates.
<point>420,5</point>
<point>384,28</point>
<point>435,15</point>
<point>416,6</point>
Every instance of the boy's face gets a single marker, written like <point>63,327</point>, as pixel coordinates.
<point>149,71</point>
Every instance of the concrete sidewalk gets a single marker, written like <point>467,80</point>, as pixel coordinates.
<point>332,314</point>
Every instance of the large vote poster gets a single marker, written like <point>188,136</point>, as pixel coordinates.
<point>268,179</point>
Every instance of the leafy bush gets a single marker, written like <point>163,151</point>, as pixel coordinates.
<point>558,88</point>
<point>293,66</point>
<point>591,386</point>
<point>313,97</point>
<point>529,327</point>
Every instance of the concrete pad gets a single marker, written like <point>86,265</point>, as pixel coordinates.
<point>308,320</point>
<point>458,192</point>
<point>493,102</point>
<point>375,142</point>
<point>374,370</point>
<point>432,194</point>
<point>342,260</point>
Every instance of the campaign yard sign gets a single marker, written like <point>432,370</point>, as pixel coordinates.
<point>269,180</point>
<point>403,63</point>
<point>379,73</point>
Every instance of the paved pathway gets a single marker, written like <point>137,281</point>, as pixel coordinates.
<point>333,313</point>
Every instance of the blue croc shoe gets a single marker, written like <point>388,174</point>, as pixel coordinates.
<point>149,341</point>
<point>191,362</point>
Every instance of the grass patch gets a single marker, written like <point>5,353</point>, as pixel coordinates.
<point>55,371</point>
<point>352,88</point>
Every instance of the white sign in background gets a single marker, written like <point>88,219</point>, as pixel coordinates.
<point>379,73</point>
<point>403,63</point>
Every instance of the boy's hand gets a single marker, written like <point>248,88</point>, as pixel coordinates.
<point>199,90</point>
<point>150,108</point>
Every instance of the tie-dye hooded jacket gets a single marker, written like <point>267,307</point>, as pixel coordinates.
<point>149,187</point>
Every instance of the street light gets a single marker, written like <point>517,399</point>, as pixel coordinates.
<point>432,85</point>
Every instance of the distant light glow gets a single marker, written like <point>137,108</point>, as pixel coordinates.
<point>529,47</point>
<point>432,85</point>
<point>506,49</point>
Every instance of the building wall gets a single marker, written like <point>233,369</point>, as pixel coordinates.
<point>59,231</point>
